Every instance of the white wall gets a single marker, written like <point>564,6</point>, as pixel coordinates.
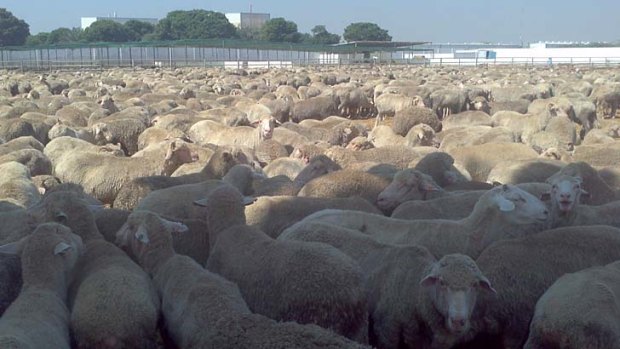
<point>576,52</point>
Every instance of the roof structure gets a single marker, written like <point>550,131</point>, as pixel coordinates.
<point>380,45</point>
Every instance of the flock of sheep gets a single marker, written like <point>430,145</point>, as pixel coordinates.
<point>390,207</point>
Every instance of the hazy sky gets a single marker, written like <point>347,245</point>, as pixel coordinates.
<point>431,20</point>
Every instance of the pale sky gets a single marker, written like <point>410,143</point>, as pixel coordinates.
<point>431,20</point>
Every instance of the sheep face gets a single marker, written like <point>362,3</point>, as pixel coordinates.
<point>565,193</point>
<point>452,285</point>
<point>407,185</point>
<point>518,206</point>
<point>266,128</point>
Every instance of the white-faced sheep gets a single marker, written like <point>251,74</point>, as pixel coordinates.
<point>579,311</point>
<point>600,192</point>
<point>39,317</point>
<point>112,300</point>
<point>435,298</point>
<point>329,294</point>
<point>103,176</point>
<point>509,264</point>
<point>202,309</point>
<point>503,212</point>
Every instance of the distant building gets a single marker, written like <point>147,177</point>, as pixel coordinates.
<point>87,21</point>
<point>248,19</point>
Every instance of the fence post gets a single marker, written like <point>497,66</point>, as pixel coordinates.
<point>440,62</point>
<point>170,56</point>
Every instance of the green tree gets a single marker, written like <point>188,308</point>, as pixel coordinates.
<point>321,36</point>
<point>248,33</point>
<point>364,31</point>
<point>106,30</point>
<point>280,30</point>
<point>138,29</point>
<point>64,35</point>
<point>195,24</point>
<point>13,31</point>
<point>37,40</point>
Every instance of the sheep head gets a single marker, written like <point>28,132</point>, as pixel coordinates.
<point>408,184</point>
<point>565,193</point>
<point>516,205</point>
<point>452,284</point>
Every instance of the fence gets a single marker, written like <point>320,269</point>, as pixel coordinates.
<point>235,56</point>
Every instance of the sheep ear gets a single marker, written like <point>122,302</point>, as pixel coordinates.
<point>504,204</point>
<point>485,284</point>
<point>142,235</point>
<point>585,194</point>
<point>60,217</point>
<point>432,277</point>
<point>248,200</point>
<point>14,248</point>
<point>202,202</point>
<point>175,227</point>
<point>61,248</point>
<point>121,235</point>
<point>428,185</point>
<point>545,196</point>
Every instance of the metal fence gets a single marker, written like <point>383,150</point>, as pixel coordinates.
<point>107,56</point>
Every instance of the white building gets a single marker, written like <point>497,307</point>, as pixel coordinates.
<point>87,21</point>
<point>248,19</point>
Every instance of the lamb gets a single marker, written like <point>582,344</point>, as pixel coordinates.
<point>202,309</point>
<point>273,214</point>
<point>413,276</point>
<point>508,265</point>
<point>503,212</point>
<point>345,183</point>
<point>103,176</point>
<point>222,160</point>
<point>39,317</point>
<point>579,311</point>
<point>106,285</point>
<point>333,287</point>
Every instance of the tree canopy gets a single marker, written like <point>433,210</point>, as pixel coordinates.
<point>321,36</point>
<point>64,35</point>
<point>280,30</point>
<point>106,30</point>
<point>138,29</point>
<point>195,24</point>
<point>13,31</point>
<point>364,31</point>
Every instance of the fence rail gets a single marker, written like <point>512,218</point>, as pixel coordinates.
<point>101,57</point>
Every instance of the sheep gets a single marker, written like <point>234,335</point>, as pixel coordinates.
<point>406,118</point>
<point>318,108</point>
<point>103,176</point>
<point>459,137</point>
<point>333,288</point>
<point>60,147</point>
<point>222,160</point>
<point>234,136</point>
<point>39,318</point>
<point>282,185</point>
<point>421,135</point>
<point>412,275</point>
<point>16,224</point>
<point>600,192</point>
<point>578,311</point>
<point>16,185</point>
<point>524,171</point>
<point>273,214</point>
<point>600,155</point>
<point>202,309</point>
<point>124,132</point>
<point>289,167</point>
<point>509,264</point>
<point>107,283</point>
<point>399,156</point>
<point>479,160</point>
<point>441,167</point>
<point>35,160</point>
<point>466,119</point>
<point>19,143</point>
<point>345,183</point>
<point>383,135</point>
<point>10,279</point>
<point>408,184</point>
<point>503,212</point>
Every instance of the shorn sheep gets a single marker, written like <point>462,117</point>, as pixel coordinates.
<point>39,317</point>
<point>202,309</point>
<point>319,285</point>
